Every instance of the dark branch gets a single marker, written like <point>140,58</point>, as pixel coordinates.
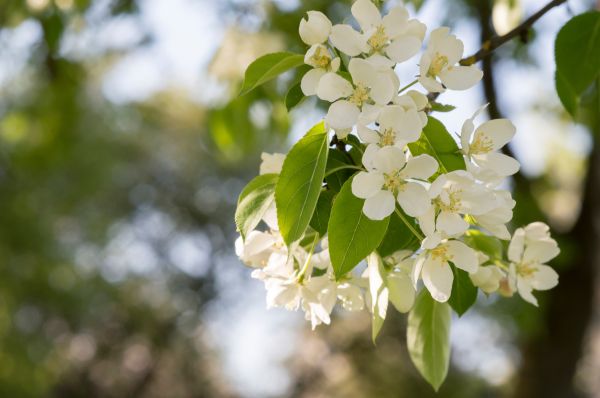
<point>520,31</point>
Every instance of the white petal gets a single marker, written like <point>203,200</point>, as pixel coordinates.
<point>361,70</point>
<point>416,28</point>
<point>419,99</point>
<point>342,115</point>
<point>403,48</point>
<point>427,222</point>
<point>380,205</point>
<point>347,40</point>
<point>332,87</point>
<point>438,278</point>
<point>461,77</point>
<point>316,29</point>
<point>384,86</point>
<point>310,81</point>
<point>498,131</point>
<point>463,256</point>
<point>366,14</point>
<point>413,199</point>
<point>545,278</point>
<point>410,126</point>
<point>501,164</point>
<point>395,21</point>
<point>365,185</point>
<point>451,223</point>
<point>367,135</point>
<point>422,166</point>
<point>524,290</point>
<point>418,268</point>
<point>390,117</point>
<point>368,159</point>
<point>517,246</point>
<point>537,230</point>
<point>541,251</point>
<point>437,35</point>
<point>452,48</point>
<point>389,159</point>
<point>401,291</point>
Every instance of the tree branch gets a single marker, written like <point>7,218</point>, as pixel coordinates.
<point>496,41</point>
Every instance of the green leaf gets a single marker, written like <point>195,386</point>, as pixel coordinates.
<point>320,217</point>
<point>300,181</point>
<point>335,160</point>
<point>398,236</point>
<point>268,67</point>
<point>293,97</point>
<point>352,236</point>
<point>488,245</point>
<point>254,201</point>
<point>428,338</point>
<point>464,293</point>
<point>436,141</point>
<point>437,107</point>
<point>577,49</point>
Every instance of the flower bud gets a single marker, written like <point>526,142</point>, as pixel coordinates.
<point>316,29</point>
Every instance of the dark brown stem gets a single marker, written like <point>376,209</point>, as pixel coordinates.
<point>496,41</point>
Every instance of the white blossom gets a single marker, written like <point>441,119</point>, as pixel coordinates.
<point>388,179</point>
<point>481,146</point>
<point>394,35</point>
<point>453,195</point>
<point>530,248</point>
<point>319,57</point>
<point>439,62</point>
<point>398,126</point>
<point>315,29</point>
<point>370,85</point>
<point>432,265</point>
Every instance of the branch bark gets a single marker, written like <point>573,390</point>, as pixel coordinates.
<point>495,41</point>
<point>550,358</point>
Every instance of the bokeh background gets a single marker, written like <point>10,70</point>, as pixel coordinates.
<point>123,149</point>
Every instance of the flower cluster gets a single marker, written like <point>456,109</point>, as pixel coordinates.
<point>449,200</point>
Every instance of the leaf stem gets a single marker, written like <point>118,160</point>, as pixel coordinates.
<point>409,85</point>
<point>409,225</point>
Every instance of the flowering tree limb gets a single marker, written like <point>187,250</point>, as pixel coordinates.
<point>496,41</point>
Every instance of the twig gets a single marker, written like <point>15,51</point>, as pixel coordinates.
<point>496,41</point>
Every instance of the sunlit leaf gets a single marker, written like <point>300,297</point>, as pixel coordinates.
<point>268,67</point>
<point>300,182</point>
<point>577,52</point>
<point>428,338</point>
<point>352,235</point>
<point>464,293</point>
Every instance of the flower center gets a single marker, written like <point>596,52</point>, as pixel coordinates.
<point>439,62</point>
<point>440,253</point>
<point>481,144</point>
<point>387,138</point>
<point>320,58</point>
<point>454,203</point>
<point>526,269</point>
<point>379,39</point>
<point>393,182</point>
<point>360,95</point>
